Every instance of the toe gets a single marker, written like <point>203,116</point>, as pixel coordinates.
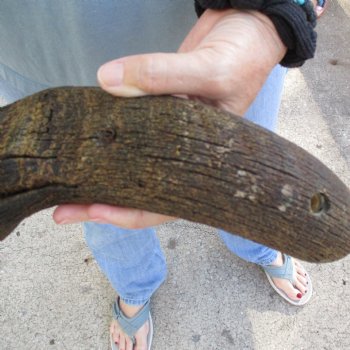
<point>302,280</point>
<point>300,287</point>
<point>128,344</point>
<point>141,344</point>
<point>293,293</point>
<point>116,337</point>
<point>141,337</point>
<point>299,268</point>
<point>114,332</point>
<point>122,342</point>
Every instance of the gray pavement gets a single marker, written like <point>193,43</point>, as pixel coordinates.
<point>54,297</point>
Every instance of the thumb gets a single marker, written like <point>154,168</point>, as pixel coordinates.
<point>154,74</point>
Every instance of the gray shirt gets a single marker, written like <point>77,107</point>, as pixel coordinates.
<point>46,43</point>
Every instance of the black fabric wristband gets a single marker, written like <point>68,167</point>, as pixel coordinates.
<point>294,23</point>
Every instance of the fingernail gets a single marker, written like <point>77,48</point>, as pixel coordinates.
<point>299,295</point>
<point>111,74</point>
<point>64,222</point>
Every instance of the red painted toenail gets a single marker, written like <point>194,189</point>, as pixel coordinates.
<point>299,295</point>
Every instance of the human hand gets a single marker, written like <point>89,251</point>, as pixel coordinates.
<point>223,61</point>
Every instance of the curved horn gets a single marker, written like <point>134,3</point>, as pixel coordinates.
<point>171,156</point>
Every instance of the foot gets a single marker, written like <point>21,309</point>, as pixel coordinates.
<point>300,287</point>
<point>121,339</point>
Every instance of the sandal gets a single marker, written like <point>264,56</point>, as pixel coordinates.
<point>287,271</point>
<point>131,325</point>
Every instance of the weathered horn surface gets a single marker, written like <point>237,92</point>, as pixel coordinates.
<point>171,156</point>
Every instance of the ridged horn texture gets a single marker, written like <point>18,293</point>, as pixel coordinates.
<point>171,156</point>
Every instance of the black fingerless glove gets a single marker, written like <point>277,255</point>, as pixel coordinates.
<point>294,22</point>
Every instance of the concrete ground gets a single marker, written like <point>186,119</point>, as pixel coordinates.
<point>54,297</point>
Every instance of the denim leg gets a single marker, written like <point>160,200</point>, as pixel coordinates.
<point>264,112</point>
<point>132,260</point>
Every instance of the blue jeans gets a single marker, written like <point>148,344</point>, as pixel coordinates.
<point>63,43</point>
